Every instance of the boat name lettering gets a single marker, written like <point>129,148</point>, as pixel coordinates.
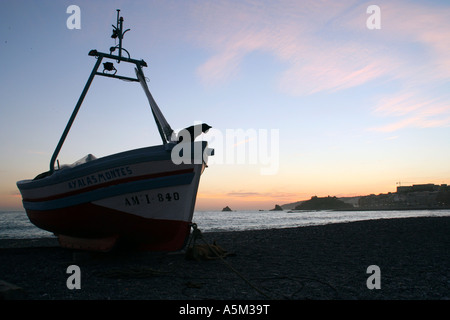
<point>100,177</point>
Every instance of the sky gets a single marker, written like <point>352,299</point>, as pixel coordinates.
<point>305,97</point>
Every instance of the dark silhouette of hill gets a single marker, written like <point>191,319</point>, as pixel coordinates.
<point>326,203</point>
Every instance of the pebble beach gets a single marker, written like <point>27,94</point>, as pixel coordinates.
<point>328,262</point>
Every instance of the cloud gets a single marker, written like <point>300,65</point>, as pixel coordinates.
<point>413,110</point>
<point>273,196</point>
<point>307,36</point>
<point>244,194</point>
<point>392,138</point>
<point>326,47</point>
<point>422,100</point>
<point>414,122</point>
<point>285,29</point>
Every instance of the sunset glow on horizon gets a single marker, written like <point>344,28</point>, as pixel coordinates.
<point>304,98</point>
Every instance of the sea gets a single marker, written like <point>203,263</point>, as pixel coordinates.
<point>15,224</point>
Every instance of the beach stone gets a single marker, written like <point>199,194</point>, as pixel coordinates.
<point>9,291</point>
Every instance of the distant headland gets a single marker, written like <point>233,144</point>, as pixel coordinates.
<point>415,197</point>
<point>326,203</point>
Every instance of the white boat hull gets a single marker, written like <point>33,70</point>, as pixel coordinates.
<point>139,197</point>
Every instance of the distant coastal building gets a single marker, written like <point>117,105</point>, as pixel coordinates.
<point>419,196</point>
<point>420,188</point>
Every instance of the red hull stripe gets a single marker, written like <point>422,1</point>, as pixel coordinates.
<point>92,221</point>
<point>107,184</point>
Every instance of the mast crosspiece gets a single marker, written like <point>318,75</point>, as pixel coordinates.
<point>164,128</point>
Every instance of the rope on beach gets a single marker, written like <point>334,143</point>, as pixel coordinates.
<point>196,234</point>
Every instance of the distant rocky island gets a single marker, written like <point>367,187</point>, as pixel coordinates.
<point>325,203</point>
<point>277,208</point>
<point>227,208</point>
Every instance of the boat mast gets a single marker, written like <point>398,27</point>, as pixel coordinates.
<point>118,33</point>
<point>164,128</point>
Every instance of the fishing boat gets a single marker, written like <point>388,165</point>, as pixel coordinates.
<point>142,198</point>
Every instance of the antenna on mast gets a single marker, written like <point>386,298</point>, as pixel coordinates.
<point>119,33</point>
